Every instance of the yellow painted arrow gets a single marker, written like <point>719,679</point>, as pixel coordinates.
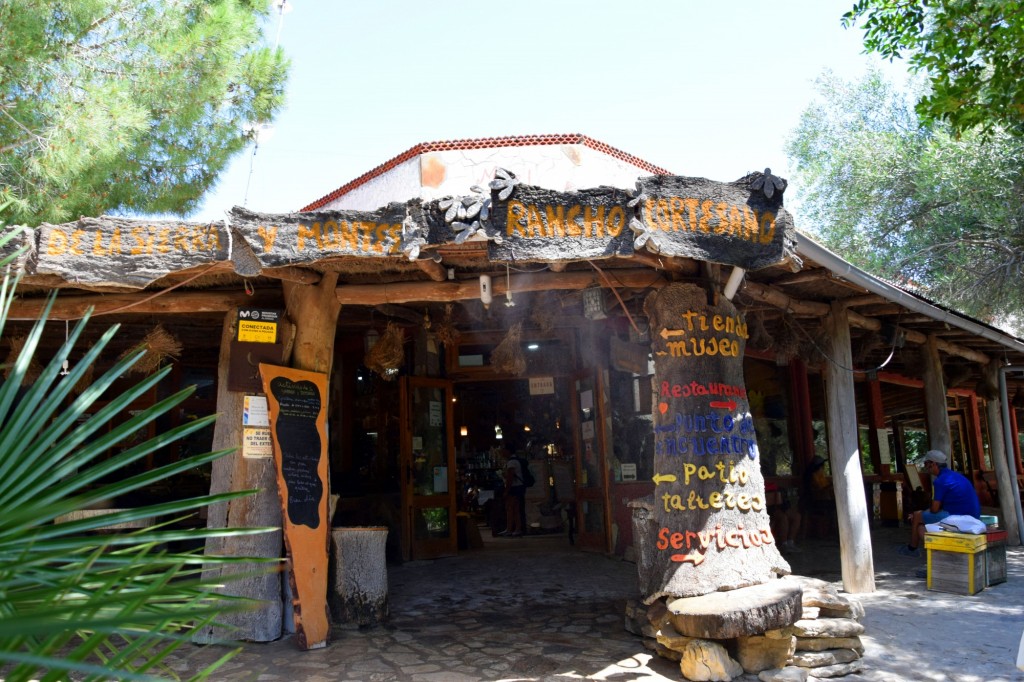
<point>666,332</point>
<point>663,478</point>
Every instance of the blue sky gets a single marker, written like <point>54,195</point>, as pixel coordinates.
<point>706,88</point>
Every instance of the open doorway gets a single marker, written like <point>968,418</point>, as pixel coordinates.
<point>528,419</point>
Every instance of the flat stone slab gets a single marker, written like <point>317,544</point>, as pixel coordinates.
<point>828,627</point>
<point>737,613</point>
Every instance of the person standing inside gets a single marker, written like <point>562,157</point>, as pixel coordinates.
<point>952,494</point>
<point>784,517</point>
<point>514,493</point>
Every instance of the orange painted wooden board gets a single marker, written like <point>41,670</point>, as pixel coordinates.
<point>297,402</point>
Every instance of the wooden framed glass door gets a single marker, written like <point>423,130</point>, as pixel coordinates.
<point>428,469</point>
<point>591,468</point>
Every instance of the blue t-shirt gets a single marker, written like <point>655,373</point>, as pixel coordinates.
<point>956,493</point>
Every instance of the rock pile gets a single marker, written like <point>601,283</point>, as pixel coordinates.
<point>822,639</point>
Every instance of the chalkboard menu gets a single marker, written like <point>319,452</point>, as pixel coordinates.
<point>297,403</point>
<point>299,440</point>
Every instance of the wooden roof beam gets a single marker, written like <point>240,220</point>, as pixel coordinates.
<point>143,303</point>
<point>680,266</point>
<point>461,290</point>
<point>433,269</point>
<point>867,299</point>
<point>785,302</point>
<point>290,273</point>
<point>804,277</point>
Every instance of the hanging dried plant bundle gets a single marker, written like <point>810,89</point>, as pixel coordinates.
<point>34,368</point>
<point>986,389</point>
<point>159,345</point>
<point>508,357</point>
<point>543,315</point>
<point>956,375</point>
<point>388,354</point>
<point>787,339</point>
<point>760,337</point>
<point>445,330</point>
<point>812,349</point>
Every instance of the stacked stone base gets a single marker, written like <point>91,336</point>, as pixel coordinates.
<point>821,640</point>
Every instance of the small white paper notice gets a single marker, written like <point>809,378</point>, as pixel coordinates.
<point>628,471</point>
<point>257,442</point>
<point>542,385</point>
<point>586,400</point>
<point>254,411</point>
<point>440,479</point>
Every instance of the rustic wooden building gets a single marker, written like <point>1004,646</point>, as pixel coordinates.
<point>473,289</point>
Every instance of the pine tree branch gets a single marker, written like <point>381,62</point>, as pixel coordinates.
<point>31,135</point>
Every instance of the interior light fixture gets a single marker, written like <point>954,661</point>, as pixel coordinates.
<point>532,346</point>
<point>463,430</point>
<point>497,432</point>
<point>370,340</point>
<point>593,303</point>
<point>485,290</point>
<point>508,288</point>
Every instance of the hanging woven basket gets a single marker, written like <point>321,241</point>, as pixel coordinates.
<point>388,354</point>
<point>508,357</point>
<point>159,345</point>
<point>34,368</point>
<point>445,330</point>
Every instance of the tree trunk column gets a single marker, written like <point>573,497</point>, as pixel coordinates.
<point>710,524</point>
<point>936,412</point>
<point>1005,480</point>
<point>231,473</point>
<point>313,309</point>
<point>844,451</point>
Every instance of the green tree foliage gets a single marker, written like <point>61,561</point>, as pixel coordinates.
<point>75,603</point>
<point>114,106</point>
<point>918,205</point>
<point>971,50</point>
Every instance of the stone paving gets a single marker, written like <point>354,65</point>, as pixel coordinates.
<point>538,609</point>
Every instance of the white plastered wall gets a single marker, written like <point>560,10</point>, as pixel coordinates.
<point>435,175</point>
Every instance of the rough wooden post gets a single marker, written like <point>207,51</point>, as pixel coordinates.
<point>313,309</point>
<point>712,529</point>
<point>1007,482</point>
<point>844,450</point>
<point>936,412</point>
<point>234,472</point>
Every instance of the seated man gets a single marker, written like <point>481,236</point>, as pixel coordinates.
<point>952,493</point>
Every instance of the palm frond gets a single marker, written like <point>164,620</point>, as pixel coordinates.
<point>75,598</point>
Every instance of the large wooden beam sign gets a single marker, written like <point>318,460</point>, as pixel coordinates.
<point>711,525</point>
<point>124,252</point>
<point>734,223</point>
<point>302,238</point>
<point>739,223</point>
<point>539,224</point>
